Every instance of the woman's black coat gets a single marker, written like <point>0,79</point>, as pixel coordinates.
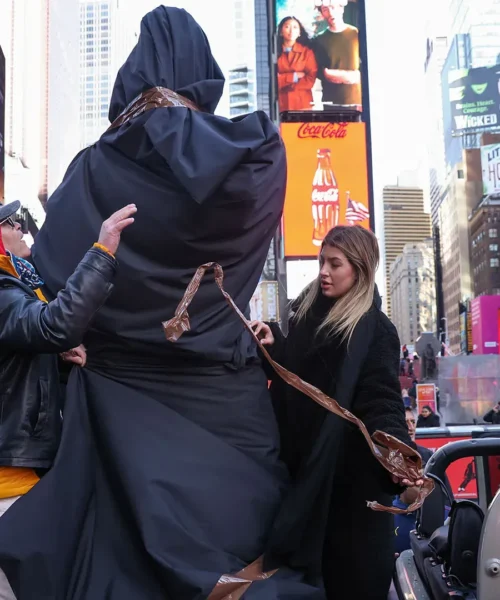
<point>324,521</point>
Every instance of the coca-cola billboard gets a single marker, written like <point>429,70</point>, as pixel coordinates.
<point>327,183</point>
<point>318,54</point>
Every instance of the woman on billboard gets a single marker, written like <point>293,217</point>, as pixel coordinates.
<point>340,341</point>
<point>297,66</point>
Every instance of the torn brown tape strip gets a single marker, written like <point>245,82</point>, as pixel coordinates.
<point>396,457</point>
<point>157,97</point>
<point>232,587</point>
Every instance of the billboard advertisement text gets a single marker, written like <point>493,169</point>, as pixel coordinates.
<point>264,305</point>
<point>318,58</point>
<point>475,98</point>
<point>461,473</point>
<point>485,319</point>
<point>490,164</point>
<point>327,183</point>
<point>426,396</point>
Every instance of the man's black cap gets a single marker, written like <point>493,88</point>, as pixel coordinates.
<point>8,210</point>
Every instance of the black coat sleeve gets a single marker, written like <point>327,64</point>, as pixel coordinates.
<point>488,417</point>
<point>377,400</point>
<point>276,351</point>
<point>30,325</point>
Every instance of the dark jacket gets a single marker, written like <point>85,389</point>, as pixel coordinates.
<point>432,420</point>
<point>333,470</point>
<point>492,417</point>
<point>32,333</point>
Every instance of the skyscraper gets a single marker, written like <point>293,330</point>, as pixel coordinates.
<point>413,291</point>
<point>485,249</point>
<point>437,50</point>
<point>24,37</point>
<point>106,36</point>
<point>27,74</point>
<point>242,72</point>
<point>405,221</point>
<point>2,123</point>
<point>64,98</point>
<point>40,42</point>
<point>480,20</point>
<point>262,54</point>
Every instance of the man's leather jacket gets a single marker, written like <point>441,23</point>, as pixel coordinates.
<point>32,333</point>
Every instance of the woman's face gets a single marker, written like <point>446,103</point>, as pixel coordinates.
<point>337,275</point>
<point>426,412</point>
<point>290,30</point>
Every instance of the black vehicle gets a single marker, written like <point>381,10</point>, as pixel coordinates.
<point>458,559</point>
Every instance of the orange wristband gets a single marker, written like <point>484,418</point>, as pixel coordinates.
<point>103,248</point>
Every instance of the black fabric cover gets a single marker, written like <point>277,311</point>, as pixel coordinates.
<point>168,473</point>
<point>207,189</point>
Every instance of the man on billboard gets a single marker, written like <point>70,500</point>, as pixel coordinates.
<point>337,55</point>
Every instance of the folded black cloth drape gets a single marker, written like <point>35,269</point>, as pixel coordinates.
<point>151,495</point>
<point>168,473</point>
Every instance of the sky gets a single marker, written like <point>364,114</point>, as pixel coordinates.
<point>396,46</point>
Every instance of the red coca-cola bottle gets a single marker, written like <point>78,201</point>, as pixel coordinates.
<point>325,198</point>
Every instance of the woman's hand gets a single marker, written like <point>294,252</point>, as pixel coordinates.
<point>407,483</point>
<point>77,356</point>
<point>263,332</point>
<point>112,228</point>
<point>410,495</point>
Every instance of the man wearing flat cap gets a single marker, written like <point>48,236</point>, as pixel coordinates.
<point>32,334</point>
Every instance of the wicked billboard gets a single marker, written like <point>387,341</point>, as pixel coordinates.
<point>474,98</point>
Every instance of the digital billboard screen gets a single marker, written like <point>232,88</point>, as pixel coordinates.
<point>490,164</point>
<point>318,54</point>
<point>474,98</point>
<point>327,183</point>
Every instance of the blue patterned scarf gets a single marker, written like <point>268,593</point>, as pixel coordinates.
<point>26,272</point>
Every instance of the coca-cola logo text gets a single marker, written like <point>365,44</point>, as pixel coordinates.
<point>322,130</point>
<point>322,195</point>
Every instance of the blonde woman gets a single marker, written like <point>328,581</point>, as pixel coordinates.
<point>341,342</point>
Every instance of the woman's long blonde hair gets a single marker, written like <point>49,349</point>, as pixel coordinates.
<point>361,249</point>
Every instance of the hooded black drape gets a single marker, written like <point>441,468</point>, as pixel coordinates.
<point>168,474</point>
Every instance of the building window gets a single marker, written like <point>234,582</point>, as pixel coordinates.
<point>493,247</point>
<point>494,262</point>
<point>493,233</point>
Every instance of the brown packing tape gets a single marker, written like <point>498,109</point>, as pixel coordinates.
<point>396,457</point>
<point>232,587</point>
<point>157,97</point>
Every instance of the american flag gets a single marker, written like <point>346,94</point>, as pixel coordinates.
<point>356,211</point>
